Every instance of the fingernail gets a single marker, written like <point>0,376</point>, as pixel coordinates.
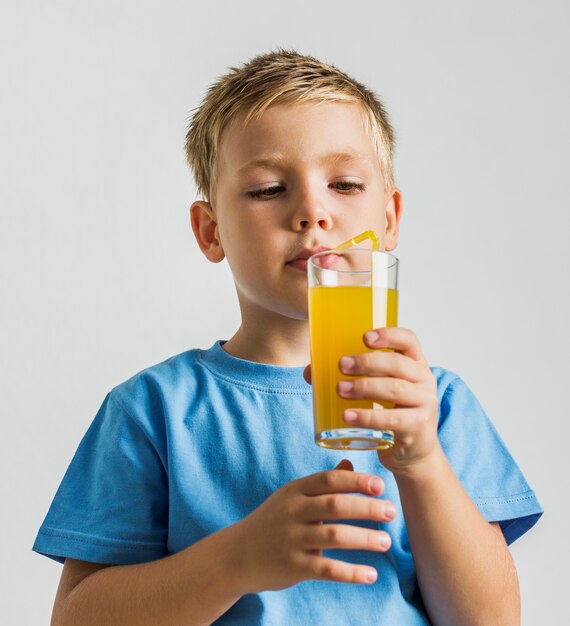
<point>390,511</point>
<point>350,416</point>
<point>371,336</point>
<point>371,576</point>
<point>383,541</point>
<point>347,363</point>
<point>345,386</point>
<point>376,485</point>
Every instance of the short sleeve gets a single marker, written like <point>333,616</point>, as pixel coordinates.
<point>112,504</point>
<point>483,464</point>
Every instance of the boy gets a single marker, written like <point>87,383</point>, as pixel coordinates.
<point>198,494</point>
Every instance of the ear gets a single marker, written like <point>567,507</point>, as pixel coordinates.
<point>393,214</point>
<point>205,229</point>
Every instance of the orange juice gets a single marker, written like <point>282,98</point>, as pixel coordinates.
<point>339,316</point>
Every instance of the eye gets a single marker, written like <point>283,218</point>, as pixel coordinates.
<point>347,186</point>
<point>266,192</point>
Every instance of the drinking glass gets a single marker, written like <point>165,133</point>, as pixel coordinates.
<point>350,292</point>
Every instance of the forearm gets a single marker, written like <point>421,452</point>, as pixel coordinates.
<point>464,568</point>
<point>194,586</point>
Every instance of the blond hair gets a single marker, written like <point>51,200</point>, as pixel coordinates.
<point>279,77</point>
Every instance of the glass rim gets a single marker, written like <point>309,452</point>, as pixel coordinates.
<point>393,259</point>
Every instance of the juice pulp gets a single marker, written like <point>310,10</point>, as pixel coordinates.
<point>338,318</point>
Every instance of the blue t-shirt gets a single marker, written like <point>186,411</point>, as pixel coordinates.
<point>196,443</point>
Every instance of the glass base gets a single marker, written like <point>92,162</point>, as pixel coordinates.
<point>355,439</point>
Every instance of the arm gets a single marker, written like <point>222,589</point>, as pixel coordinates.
<point>464,568</point>
<point>278,545</point>
<point>196,586</point>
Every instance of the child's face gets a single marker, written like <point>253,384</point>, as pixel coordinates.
<point>300,177</point>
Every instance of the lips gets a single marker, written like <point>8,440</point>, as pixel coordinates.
<point>300,264</point>
<point>308,252</point>
<point>300,261</point>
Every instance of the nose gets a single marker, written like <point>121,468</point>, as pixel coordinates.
<point>310,211</point>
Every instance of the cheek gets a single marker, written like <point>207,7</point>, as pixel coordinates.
<point>248,262</point>
<point>370,221</point>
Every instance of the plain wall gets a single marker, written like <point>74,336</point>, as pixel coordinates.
<point>101,277</point>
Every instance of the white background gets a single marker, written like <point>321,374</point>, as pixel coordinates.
<point>100,275</point>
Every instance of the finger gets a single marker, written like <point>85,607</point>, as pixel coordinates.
<point>401,339</point>
<point>345,464</point>
<point>307,374</point>
<point>346,537</point>
<point>340,481</point>
<point>379,363</point>
<point>396,390</point>
<point>400,421</point>
<point>323,568</point>
<point>342,506</point>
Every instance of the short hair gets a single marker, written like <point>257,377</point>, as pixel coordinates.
<point>280,77</point>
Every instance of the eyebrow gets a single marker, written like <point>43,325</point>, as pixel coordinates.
<point>278,160</point>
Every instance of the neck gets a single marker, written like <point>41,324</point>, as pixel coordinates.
<point>272,339</point>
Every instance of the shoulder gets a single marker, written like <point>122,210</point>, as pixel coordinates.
<point>148,396</point>
<point>446,381</point>
<point>169,375</point>
<point>456,400</point>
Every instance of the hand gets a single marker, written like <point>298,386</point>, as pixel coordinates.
<point>282,541</point>
<point>402,377</point>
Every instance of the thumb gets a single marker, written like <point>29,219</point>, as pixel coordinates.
<point>345,464</point>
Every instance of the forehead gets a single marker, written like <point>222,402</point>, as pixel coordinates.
<point>308,132</point>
